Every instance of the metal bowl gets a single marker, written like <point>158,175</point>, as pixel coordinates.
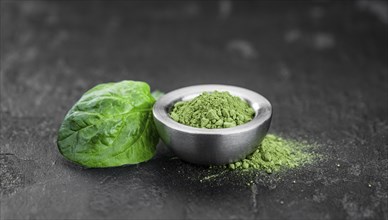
<point>212,146</point>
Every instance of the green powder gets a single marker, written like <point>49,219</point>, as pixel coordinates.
<point>213,110</point>
<point>222,110</point>
<point>275,154</point>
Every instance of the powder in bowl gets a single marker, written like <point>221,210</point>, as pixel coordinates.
<point>213,110</point>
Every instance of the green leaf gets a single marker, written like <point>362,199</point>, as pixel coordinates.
<point>157,94</point>
<point>111,125</point>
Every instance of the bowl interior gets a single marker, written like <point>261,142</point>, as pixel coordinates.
<point>261,106</point>
<point>190,97</point>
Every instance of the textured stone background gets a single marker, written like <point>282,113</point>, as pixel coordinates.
<point>323,66</point>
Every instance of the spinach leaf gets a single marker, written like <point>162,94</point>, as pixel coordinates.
<point>111,125</point>
<point>157,94</point>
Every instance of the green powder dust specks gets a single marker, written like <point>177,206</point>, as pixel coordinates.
<point>213,110</point>
<point>275,160</point>
<point>275,154</point>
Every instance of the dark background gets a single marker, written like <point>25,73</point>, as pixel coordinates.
<point>322,64</point>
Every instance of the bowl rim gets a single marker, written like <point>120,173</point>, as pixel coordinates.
<point>254,99</point>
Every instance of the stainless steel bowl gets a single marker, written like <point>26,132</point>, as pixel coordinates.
<point>212,146</point>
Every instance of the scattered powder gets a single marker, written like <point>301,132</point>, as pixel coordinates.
<point>274,154</point>
<point>213,110</point>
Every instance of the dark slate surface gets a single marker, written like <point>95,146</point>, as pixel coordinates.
<point>323,66</point>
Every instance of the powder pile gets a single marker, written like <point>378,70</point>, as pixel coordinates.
<point>275,154</point>
<point>213,110</point>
